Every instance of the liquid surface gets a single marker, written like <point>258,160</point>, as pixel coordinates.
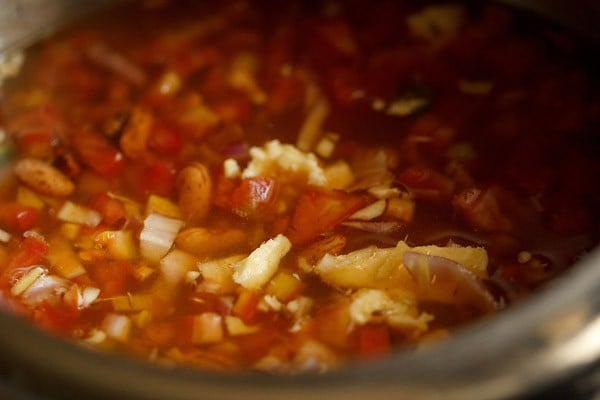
<point>286,187</point>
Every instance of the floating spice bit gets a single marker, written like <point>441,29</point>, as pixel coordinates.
<point>411,100</point>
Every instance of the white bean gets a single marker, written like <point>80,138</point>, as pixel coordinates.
<point>43,178</point>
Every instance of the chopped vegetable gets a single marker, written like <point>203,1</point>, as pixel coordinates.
<point>256,270</point>
<point>372,211</point>
<point>285,161</point>
<point>117,327</point>
<point>158,236</point>
<point>77,214</point>
<point>119,244</point>
<point>318,212</point>
<point>27,280</point>
<point>175,265</point>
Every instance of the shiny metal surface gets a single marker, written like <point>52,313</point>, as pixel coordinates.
<point>551,337</point>
<point>24,21</point>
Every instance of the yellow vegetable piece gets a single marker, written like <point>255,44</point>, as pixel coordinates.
<point>119,244</point>
<point>163,206</point>
<point>28,197</point>
<point>285,286</point>
<point>64,259</point>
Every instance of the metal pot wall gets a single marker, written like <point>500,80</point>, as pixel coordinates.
<point>533,347</point>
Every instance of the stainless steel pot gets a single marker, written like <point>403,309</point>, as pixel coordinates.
<point>534,346</point>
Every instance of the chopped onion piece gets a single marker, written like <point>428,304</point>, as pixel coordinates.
<point>117,327</point>
<point>441,279</point>
<point>46,288</point>
<point>27,280</point>
<point>87,296</point>
<point>375,227</point>
<point>370,212</point>
<point>4,236</point>
<point>384,192</point>
<point>96,336</point>
<point>176,264</point>
<point>300,306</point>
<point>217,275</point>
<point>270,302</point>
<point>375,305</point>
<point>158,235</point>
<point>77,214</point>
<point>231,168</point>
<point>35,235</point>
<point>326,145</point>
<point>407,106</point>
<point>207,328</point>
<point>192,276</point>
<point>10,64</point>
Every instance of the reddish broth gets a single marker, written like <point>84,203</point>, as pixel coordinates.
<point>454,171</point>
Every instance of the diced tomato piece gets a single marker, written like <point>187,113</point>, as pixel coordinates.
<point>233,110</point>
<point>30,251</point>
<point>256,345</point>
<point>159,178</point>
<point>38,143</point>
<point>18,217</point>
<point>373,340</point>
<point>112,210</point>
<point>254,197</point>
<point>245,306</point>
<point>57,319</point>
<point>165,139</point>
<point>426,183</point>
<point>98,153</point>
<point>319,211</point>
